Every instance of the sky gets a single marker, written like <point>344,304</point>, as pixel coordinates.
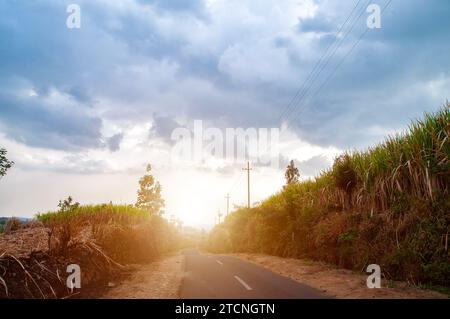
<point>84,110</point>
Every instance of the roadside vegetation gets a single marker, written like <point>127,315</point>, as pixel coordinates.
<point>124,233</point>
<point>387,205</point>
<point>102,239</point>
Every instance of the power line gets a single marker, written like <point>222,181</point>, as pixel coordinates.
<point>301,89</point>
<point>315,76</point>
<point>236,182</point>
<point>304,87</point>
<point>300,110</point>
<point>325,64</point>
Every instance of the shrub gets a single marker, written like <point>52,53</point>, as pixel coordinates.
<point>12,225</point>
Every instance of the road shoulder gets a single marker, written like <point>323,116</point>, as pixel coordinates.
<point>160,279</point>
<point>340,283</point>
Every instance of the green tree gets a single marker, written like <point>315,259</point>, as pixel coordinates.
<point>149,193</point>
<point>5,164</point>
<point>67,205</point>
<point>292,174</point>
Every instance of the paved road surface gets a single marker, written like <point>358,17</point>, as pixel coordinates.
<point>216,276</point>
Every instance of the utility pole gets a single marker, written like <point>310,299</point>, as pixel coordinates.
<point>219,215</point>
<point>228,203</point>
<point>248,169</point>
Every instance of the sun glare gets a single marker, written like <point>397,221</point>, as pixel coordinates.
<point>192,210</point>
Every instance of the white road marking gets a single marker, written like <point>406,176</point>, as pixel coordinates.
<point>243,283</point>
<point>219,262</point>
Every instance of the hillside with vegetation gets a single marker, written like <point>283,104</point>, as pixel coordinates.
<point>387,205</point>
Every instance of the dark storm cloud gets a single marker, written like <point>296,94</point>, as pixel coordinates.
<point>385,83</point>
<point>163,127</point>
<point>114,141</point>
<point>31,121</point>
<point>80,94</point>
<point>195,7</point>
<point>159,56</point>
<point>317,24</point>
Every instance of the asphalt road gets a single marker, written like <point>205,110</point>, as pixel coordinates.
<point>217,276</point>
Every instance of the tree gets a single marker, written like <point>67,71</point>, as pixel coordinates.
<point>292,174</point>
<point>149,193</point>
<point>5,164</point>
<point>67,206</point>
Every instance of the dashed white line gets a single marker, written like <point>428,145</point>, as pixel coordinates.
<point>243,283</point>
<point>219,262</point>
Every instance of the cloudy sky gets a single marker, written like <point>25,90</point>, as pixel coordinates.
<point>82,111</point>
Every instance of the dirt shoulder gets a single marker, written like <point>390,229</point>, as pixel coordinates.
<point>340,283</point>
<point>23,242</point>
<point>157,280</point>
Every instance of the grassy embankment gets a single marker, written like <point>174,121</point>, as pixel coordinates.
<point>388,205</point>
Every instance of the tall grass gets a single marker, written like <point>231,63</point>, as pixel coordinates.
<point>125,233</point>
<point>389,205</point>
<point>101,239</point>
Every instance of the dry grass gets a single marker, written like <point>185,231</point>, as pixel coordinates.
<point>125,233</point>
<point>100,239</point>
<point>12,225</point>
<point>24,241</point>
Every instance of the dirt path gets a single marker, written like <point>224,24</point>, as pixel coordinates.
<point>340,283</point>
<point>157,280</point>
